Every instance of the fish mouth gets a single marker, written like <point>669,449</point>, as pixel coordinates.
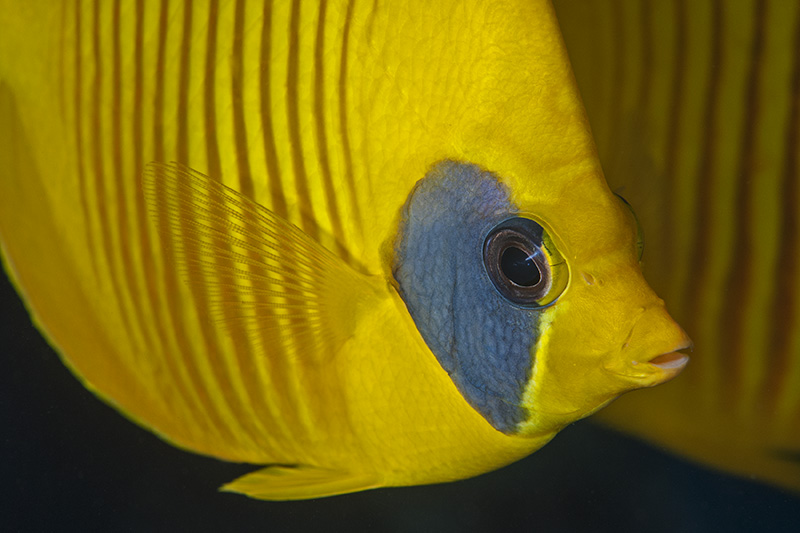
<point>656,370</point>
<point>670,364</point>
<point>670,361</point>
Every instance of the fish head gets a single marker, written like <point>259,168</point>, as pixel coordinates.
<point>607,332</point>
<point>533,302</point>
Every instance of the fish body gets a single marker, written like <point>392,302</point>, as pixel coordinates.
<point>310,285</point>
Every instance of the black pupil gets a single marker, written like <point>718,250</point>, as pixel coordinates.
<point>519,267</point>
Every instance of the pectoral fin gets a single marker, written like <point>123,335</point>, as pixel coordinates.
<point>260,274</point>
<point>301,482</point>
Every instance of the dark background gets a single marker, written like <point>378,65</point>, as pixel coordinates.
<point>69,462</point>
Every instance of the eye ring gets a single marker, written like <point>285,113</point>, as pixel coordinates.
<point>517,263</point>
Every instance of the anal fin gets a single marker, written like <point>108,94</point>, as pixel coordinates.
<point>301,482</point>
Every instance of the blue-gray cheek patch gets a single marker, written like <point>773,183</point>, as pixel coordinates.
<point>481,340</point>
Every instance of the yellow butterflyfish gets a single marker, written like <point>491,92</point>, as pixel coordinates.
<point>360,244</point>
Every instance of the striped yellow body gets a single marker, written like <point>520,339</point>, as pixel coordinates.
<point>326,114</point>
<point>698,126</point>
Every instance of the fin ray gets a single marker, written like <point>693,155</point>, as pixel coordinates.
<point>259,271</point>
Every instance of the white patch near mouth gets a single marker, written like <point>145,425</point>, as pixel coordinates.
<point>670,361</point>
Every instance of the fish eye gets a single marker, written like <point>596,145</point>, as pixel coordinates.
<point>517,262</point>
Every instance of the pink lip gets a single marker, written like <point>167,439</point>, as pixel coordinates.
<point>670,361</point>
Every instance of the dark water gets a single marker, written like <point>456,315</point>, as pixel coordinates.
<point>70,462</point>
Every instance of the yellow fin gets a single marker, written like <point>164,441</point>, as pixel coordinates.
<point>300,482</point>
<point>257,273</point>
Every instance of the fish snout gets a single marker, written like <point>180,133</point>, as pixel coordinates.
<point>651,353</point>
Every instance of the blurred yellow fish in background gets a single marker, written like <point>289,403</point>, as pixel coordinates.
<point>385,254</point>
<point>698,125</point>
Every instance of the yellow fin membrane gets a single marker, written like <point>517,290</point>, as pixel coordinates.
<point>301,482</point>
<point>261,274</point>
